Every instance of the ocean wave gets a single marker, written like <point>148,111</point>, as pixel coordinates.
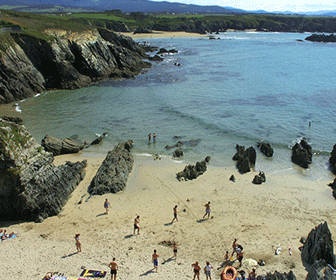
<point>17,108</point>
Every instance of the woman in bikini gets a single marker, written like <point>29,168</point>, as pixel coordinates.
<point>78,244</point>
<point>197,270</point>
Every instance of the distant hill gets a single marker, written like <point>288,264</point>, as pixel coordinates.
<point>128,6</point>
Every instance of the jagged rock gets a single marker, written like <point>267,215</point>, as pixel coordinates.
<point>259,179</point>
<point>178,153</point>
<point>320,271</point>
<point>31,187</point>
<point>156,58</point>
<point>232,178</point>
<point>112,175</point>
<point>99,139</point>
<point>245,158</point>
<point>61,147</point>
<point>332,160</point>
<point>178,144</point>
<point>165,51</point>
<point>191,172</point>
<point>318,246</point>
<point>16,120</point>
<point>68,61</point>
<point>278,276</point>
<point>190,143</point>
<point>322,38</point>
<point>265,148</point>
<point>302,154</point>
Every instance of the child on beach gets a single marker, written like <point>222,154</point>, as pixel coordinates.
<point>207,210</point>
<point>107,206</point>
<point>197,270</point>
<point>78,244</point>
<point>175,214</point>
<point>155,260</point>
<point>207,270</point>
<point>136,225</point>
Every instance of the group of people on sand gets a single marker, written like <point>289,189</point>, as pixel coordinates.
<point>197,269</point>
<point>4,235</point>
<point>150,135</point>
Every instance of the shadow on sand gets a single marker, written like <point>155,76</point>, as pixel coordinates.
<point>128,236</point>
<point>168,260</point>
<point>168,224</point>
<point>147,273</point>
<point>101,214</point>
<point>70,255</point>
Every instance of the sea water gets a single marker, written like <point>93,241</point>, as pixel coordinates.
<point>240,89</point>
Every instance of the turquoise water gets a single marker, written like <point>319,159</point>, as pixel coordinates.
<point>241,89</point>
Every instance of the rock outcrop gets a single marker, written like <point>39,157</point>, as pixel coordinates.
<point>99,139</point>
<point>67,61</point>
<point>302,154</point>
<point>16,120</point>
<point>318,246</point>
<point>178,153</point>
<point>332,160</point>
<point>322,38</point>
<point>259,179</point>
<point>265,148</point>
<point>165,51</point>
<point>112,175</point>
<point>191,172</point>
<point>31,187</point>
<point>333,186</point>
<point>57,146</point>
<point>188,143</point>
<point>246,159</point>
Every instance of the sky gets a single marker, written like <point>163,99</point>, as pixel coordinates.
<point>268,5</point>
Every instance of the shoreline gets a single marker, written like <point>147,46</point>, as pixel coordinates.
<point>163,34</point>
<point>260,216</point>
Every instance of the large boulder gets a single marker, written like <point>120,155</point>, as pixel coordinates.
<point>246,159</point>
<point>265,148</point>
<point>278,276</point>
<point>302,154</point>
<point>178,153</point>
<point>191,172</point>
<point>60,147</point>
<point>259,179</point>
<point>332,160</point>
<point>318,246</point>
<point>320,271</point>
<point>112,175</point>
<point>31,187</point>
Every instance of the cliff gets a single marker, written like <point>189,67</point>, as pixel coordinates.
<point>31,186</point>
<point>65,60</point>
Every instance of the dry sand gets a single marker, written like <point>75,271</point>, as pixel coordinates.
<point>162,34</point>
<point>277,212</point>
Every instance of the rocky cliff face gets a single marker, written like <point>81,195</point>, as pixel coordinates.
<point>68,61</point>
<point>31,187</point>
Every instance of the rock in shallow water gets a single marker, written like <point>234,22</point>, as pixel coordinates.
<point>302,154</point>
<point>31,186</point>
<point>112,175</point>
<point>61,147</point>
<point>245,158</point>
<point>266,149</point>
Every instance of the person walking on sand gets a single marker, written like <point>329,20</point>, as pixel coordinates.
<point>107,205</point>
<point>175,251</point>
<point>207,210</point>
<point>154,137</point>
<point>207,270</point>
<point>175,214</point>
<point>197,270</point>
<point>78,244</point>
<point>240,256</point>
<point>149,138</point>
<point>234,246</point>
<point>155,260</point>
<point>136,225</point>
<point>226,257</point>
<point>114,267</point>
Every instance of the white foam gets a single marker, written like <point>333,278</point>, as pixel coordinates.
<point>17,108</point>
<point>37,95</point>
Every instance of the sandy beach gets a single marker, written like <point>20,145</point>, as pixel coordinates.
<point>260,217</point>
<point>162,34</point>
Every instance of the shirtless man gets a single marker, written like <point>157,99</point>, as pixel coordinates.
<point>175,214</point>
<point>155,260</point>
<point>136,225</point>
<point>207,210</point>
<point>197,270</point>
<point>114,267</point>
<point>107,206</point>
<point>234,246</point>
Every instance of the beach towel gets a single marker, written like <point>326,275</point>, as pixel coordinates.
<point>67,278</point>
<point>93,273</point>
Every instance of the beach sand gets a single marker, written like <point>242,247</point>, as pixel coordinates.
<point>162,34</point>
<point>280,211</point>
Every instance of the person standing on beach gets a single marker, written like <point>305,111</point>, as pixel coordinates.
<point>149,138</point>
<point>207,270</point>
<point>175,214</point>
<point>154,137</point>
<point>175,250</point>
<point>226,257</point>
<point>207,210</point>
<point>136,225</point>
<point>155,260</point>
<point>234,246</point>
<point>197,270</point>
<point>107,205</point>
<point>240,256</point>
<point>78,244</point>
<point>114,267</point>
